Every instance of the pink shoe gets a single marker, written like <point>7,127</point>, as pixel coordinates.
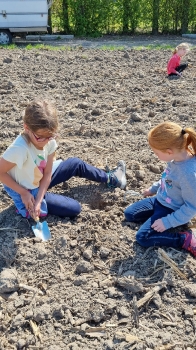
<point>190,241</point>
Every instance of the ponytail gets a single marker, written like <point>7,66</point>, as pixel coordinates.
<point>190,139</point>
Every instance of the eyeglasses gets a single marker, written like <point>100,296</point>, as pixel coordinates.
<point>42,139</point>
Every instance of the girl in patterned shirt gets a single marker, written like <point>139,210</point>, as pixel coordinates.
<point>28,169</point>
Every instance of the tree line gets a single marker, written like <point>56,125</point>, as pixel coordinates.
<point>98,17</point>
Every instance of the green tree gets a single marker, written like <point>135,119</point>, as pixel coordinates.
<point>186,5</point>
<point>131,14</point>
<point>65,11</point>
<point>96,17</point>
<point>155,16</point>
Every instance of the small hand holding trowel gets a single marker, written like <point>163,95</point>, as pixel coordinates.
<point>41,230</point>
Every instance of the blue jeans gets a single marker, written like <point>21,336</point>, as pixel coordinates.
<point>148,210</point>
<point>57,204</point>
<point>20,208</point>
<point>64,206</point>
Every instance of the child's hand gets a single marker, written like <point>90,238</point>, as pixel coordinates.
<point>37,208</point>
<point>28,200</point>
<point>158,226</point>
<point>35,211</point>
<point>147,193</point>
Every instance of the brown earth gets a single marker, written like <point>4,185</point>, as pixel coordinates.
<point>84,288</point>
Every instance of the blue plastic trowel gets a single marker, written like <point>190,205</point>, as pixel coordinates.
<point>41,230</point>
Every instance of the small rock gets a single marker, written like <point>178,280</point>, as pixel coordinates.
<point>62,241</point>
<point>21,343</point>
<point>109,345</point>
<point>42,313</point>
<point>19,302</point>
<point>123,311</point>
<point>58,312</point>
<point>29,314</point>
<point>18,321</point>
<point>155,169</point>
<point>11,307</point>
<point>188,313</point>
<point>84,326</point>
<point>129,174</point>
<point>13,340</point>
<point>126,55</point>
<point>8,281</point>
<point>123,320</point>
<point>129,109</point>
<point>191,290</point>
<point>30,340</point>
<point>96,111</point>
<point>130,284</point>
<point>140,346</point>
<point>151,114</point>
<point>140,174</point>
<point>129,273</point>
<point>7,60</point>
<point>94,285</point>
<point>111,305</point>
<point>83,105</point>
<point>104,252</point>
<point>157,300</point>
<point>97,314</point>
<point>13,296</point>
<point>136,117</point>
<point>112,292</point>
<point>23,252</point>
<point>40,250</point>
<point>80,280</point>
<point>56,347</point>
<point>119,336</point>
<point>84,266</point>
<point>87,254</point>
<point>183,117</point>
<point>166,338</point>
<point>73,243</point>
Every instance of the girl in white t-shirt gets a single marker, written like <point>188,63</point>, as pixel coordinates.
<point>28,169</point>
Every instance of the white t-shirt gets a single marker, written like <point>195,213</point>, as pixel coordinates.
<point>30,161</point>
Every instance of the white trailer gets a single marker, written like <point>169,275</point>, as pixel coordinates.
<point>22,16</point>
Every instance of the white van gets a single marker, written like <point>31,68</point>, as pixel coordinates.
<point>22,16</point>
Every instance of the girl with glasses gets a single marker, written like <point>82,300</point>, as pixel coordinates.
<point>28,169</point>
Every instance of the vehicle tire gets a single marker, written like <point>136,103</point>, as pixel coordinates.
<point>5,37</point>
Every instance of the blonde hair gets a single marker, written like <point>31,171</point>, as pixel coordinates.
<point>173,136</point>
<point>182,46</point>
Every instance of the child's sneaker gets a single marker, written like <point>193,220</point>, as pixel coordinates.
<point>117,177</point>
<point>190,241</point>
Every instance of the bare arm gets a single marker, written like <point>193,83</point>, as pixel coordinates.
<point>7,180</point>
